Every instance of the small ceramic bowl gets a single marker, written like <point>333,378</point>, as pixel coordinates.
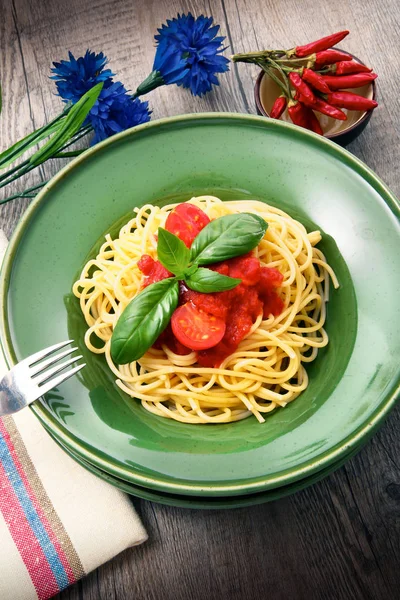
<point>343,132</point>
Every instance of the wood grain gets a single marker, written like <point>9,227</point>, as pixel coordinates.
<point>340,538</point>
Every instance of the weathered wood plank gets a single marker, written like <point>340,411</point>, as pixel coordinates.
<point>340,538</point>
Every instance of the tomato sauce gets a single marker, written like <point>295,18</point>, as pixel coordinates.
<point>153,270</point>
<point>238,308</point>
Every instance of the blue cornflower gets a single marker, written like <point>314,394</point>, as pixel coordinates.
<point>188,54</point>
<point>74,77</point>
<point>169,63</point>
<point>115,111</point>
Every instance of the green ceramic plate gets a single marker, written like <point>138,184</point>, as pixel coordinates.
<point>352,384</point>
<point>211,503</point>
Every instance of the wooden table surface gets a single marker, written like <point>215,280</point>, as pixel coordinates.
<point>341,537</point>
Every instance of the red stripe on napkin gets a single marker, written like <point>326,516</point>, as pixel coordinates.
<point>25,540</point>
<point>20,468</point>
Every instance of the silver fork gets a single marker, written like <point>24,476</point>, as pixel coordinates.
<point>32,377</point>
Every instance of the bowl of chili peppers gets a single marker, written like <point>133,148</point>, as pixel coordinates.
<point>315,86</point>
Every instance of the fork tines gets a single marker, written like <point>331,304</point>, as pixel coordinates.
<point>41,373</point>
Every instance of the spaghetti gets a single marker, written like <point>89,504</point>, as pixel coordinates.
<point>267,369</point>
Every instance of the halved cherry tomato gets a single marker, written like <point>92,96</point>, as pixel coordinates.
<point>186,221</point>
<point>195,328</point>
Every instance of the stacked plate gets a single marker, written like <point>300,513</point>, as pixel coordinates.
<point>353,382</point>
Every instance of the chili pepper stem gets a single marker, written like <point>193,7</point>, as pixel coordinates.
<point>256,57</point>
<point>276,79</point>
<point>299,62</point>
<point>287,69</point>
<point>285,80</point>
<point>291,52</point>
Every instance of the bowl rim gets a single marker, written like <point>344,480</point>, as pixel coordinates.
<point>352,441</point>
<point>366,115</point>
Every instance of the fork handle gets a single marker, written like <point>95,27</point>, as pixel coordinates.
<point>10,401</point>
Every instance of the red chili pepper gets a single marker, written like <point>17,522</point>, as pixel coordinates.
<point>305,100</point>
<point>301,86</point>
<point>349,81</point>
<point>304,117</point>
<point>314,123</point>
<point>322,107</point>
<point>351,101</point>
<point>322,44</point>
<point>327,109</point>
<point>328,57</point>
<point>315,79</point>
<point>350,66</point>
<point>278,107</point>
<point>299,115</point>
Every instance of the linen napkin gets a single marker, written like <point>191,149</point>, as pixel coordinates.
<point>58,522</point>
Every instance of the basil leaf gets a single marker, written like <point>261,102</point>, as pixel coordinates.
<point>227,237</point>
<point>206,281</point>
<point>142,321</point>
<point>172,252</point>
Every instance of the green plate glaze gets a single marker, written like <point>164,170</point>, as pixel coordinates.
<point>353,382</point>
<point>210,503</point>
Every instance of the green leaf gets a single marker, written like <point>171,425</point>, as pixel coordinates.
<point>172,252</point>
<point>142,321</point>
<point>206,281</point>
<point>16,150</point>
<point>227,237</point>
<point>70,126</point>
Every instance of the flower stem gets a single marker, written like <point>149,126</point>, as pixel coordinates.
<point>22,170</point>
<point>13,170</point>
<point>70,154</point>
<point>26,167</point>
<point>25,194</point>
<point>30,140</point>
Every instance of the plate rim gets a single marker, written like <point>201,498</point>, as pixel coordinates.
<point>260,483</point>
<point>202,502</point>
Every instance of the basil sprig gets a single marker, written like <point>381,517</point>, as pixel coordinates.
<point>174,255</point>
<point>148,314</point>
